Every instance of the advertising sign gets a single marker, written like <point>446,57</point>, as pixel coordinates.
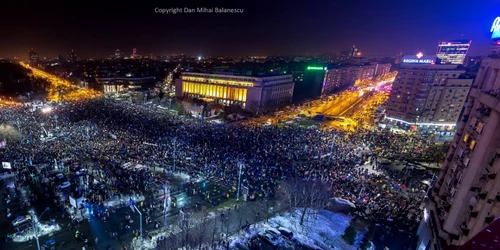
<point>495,28</point>
<point>419,59</point>
<point>6,165</point>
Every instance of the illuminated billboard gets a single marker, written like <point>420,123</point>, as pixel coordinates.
<point>419,59</point>
<point>495,28</point>
<point>315,68</point>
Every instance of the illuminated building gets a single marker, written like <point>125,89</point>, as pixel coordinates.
<point>72,56</point>
<point>354,52</point>
<point>33,57</point>
<point>118,54</point>
<point>124,84</point>
<point>134,53</point>
<point>345,76</point>
<point>453,51</point>
<point>311,85</point>
<point>251,93</point>
<point>428,95</point>
<point>466,197</point>
<point>382,69</point>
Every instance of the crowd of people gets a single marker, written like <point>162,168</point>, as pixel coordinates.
<point>109,133</point>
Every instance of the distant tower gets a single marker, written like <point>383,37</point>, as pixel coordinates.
<point>453,51</point>
<point>72,56</point>
<point>118,53</point>
<point>353,52</point>
<point>33,57</point>
<point>134,52</point>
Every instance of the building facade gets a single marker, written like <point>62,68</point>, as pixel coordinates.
<point>34,59</point>
<point>428,95</point>
<point>311,84</point>
<point>124,84</point>
<point>453,51</point>
<point>465,199</point>
<point>382,69</point>
<point>252,93</point>
<point>345,76</point>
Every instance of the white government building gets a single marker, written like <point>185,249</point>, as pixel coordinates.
<point>252,93</point>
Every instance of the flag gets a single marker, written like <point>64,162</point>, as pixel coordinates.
<point>132,205</point>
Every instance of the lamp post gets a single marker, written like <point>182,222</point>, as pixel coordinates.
<point>239,181</point>
<point>35,228</point>
<point>175,151</point>
<point>166,192</point>
<point>331,147</point>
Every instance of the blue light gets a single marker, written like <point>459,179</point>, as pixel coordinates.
<point>495,28</point>
<point>496,33</point>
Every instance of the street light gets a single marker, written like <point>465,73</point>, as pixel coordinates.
<point>34,221</point>
<point>166,192</point>
<point>239,181</point>
<point>175,149</point>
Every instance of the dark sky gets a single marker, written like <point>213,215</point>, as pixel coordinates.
<point>271,27</point>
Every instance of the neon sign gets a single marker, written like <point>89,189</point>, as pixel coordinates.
<point>495,28</point>
<point>419,55</point>
<point>428,61</point>
<point>316,68</point>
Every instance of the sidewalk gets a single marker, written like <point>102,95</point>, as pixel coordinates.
<point>211,229</point>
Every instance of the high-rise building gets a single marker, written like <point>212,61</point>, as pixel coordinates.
<point>466,197</point>
<point>453,51</point>
<point>338,78</point>
<point>33,57</point>
<point>311,85</point>
<point>72,56</point>
<point>118,54</point>
<point>353,52</point>
<point>428,95</point>
<point>134,52</point>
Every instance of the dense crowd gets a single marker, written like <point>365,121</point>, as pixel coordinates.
<point>109,134</point>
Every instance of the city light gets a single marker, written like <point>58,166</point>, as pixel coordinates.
<point>315,68</point>
<point>47,110</point>
<point>495,28</point>
<point>60,89</point>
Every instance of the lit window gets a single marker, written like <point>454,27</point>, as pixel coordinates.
<point>479,127</point>
<point>472,144</point>
<point>466,137</point>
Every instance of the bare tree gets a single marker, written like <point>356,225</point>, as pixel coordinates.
<point>306,196</point>
<point>201,227</point>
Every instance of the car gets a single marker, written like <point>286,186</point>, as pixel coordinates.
<point>286,232</point>
<point>66,184</point>
<point>269,238</point>
<point>81,172</point>
<point>19,220</point>
<point>273,232</point>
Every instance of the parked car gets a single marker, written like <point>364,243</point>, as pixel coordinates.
<point>81,172</point>
<point>286,232</point>
<point>273,232</point>
<point>64,185</point>
<point>19,220</point>
<point>269,238</point>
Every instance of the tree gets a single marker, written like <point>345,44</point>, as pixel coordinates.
<point>8,133</point>
<point>349,235</point>
<point>200,229</point>
<point>306,196</point>
<point>367,238</point>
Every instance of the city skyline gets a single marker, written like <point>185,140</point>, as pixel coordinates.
<point>278,28</point>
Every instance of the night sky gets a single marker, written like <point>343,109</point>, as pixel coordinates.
<point>377,28</point>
